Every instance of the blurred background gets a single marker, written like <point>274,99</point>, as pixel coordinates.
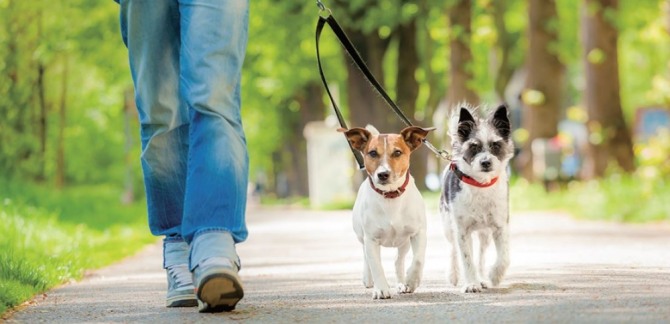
<point>587,82</point>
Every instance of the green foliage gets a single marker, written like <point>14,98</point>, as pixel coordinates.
<point>50,237</point>
<point>624,198</point>
<point>644,53</point>
<point>652,157</point>
<point>280,62</point>
<point>375,16</point>
<point>84,40</point>
<point>82,58</point>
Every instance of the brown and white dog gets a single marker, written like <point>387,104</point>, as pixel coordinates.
<point>389,210</point>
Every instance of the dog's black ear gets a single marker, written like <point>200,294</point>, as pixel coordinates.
<point>501,123</point>
<point>415,135</point>
<point>466,124</point>
<point>357,137</point>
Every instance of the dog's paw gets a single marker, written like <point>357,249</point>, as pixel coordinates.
<point>498,271</point>
<point>472,288</point>
<point>381,294</point>
<point>405,288</point>
<point>496,277</point>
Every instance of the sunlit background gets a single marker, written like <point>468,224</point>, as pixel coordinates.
<point>587,83</point>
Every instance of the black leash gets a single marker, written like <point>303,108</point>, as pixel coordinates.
<point>351,50</point>
<point>343,124</point>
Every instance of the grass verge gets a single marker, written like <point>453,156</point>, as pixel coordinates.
<point>48,237</point>
<point>623,198</point>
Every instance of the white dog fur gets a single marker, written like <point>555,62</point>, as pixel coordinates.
<point>475,195</point>
<point>393,215</point>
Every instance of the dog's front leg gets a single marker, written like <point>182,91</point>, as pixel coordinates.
<point>367,276</point>
<point>501,240</point>
<point>414,272</point>
<point>484,240</point>
<point>374,260</point>
<point>400,266</point>
<point>465,246</point>
<point>453,270</point>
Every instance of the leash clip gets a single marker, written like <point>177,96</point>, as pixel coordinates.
<point>444,155</point>
<point>439,153</point>
<point>323,9</point>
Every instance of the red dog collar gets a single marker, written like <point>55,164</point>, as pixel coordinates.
<point>469,180</point>
<point>391,194</point>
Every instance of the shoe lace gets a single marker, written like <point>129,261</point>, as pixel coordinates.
<point>181,275</point>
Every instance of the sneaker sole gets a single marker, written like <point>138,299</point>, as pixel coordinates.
<point>182,301</point>
<point>219,291</point>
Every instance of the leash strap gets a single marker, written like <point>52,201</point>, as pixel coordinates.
<point>319,28</point>
<point>360,64</point>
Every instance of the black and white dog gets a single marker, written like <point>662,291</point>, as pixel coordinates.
<point>475,194</point>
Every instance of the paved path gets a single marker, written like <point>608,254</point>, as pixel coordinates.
<point>304,266</point>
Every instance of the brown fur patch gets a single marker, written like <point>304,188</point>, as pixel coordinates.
<point>389,149</point>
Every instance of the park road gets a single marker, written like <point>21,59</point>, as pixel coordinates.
<point>305,266</point>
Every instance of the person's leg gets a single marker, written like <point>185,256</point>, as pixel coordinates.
<point>152,37</point>
<point>214,36</point>
<point>150,30</point>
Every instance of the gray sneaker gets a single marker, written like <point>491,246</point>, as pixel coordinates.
<point>219,288</point>
<point>180,287</point>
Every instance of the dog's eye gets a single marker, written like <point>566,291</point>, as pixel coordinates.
<point>474,147</point>
<point>495,146</point>
<point>373,154</point>
<point>396,153</point>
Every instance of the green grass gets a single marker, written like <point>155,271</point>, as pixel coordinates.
<point>624,198</point>
<point>48,237</point>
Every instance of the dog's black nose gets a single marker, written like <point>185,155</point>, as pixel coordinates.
<point>383,176</point>
<point>486,164</point>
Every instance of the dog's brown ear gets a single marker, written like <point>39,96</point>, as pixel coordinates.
<point>415,135</point>
<point>357,137</point>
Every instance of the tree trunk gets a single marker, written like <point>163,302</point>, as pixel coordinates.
<point>312,108</point>
<point>60,147</point>
<point>505,43</point>
<point>407,90</point>
<point>461,57</point>
<point>42,112</point>
<point>434,95</point>
<point>291,161</point>
<point>365,105</point>
<point>544,84</point>
<point>18,106</point>
<point>609,136</point>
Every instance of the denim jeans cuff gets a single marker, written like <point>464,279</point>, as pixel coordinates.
<point>212,243</point>
<point>175,251</point>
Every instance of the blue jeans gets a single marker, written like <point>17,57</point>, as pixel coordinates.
<point>186,59</point>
